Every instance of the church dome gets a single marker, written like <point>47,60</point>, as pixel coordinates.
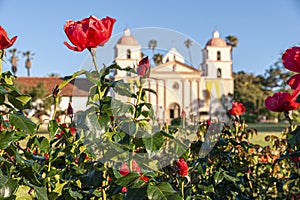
<point>127,39</point>
<point>216,41</point>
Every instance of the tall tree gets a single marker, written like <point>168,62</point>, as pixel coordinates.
<point>14,60</point>
<point>29,57</point>
<point>157,58</point>
<point>232,41</point>
<point>188,44</point>
<point>152,44</point>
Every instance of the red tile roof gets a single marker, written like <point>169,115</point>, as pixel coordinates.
<point>77,87</point>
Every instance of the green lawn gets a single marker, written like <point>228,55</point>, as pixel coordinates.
<point>265,129</point>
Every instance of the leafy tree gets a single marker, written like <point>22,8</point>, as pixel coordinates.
<point>188,44</point>
<point>248,89</point>
<point>152,44</point>
<point>157,58</point>
<point>29,57</point>
<point>232,41</point>
<point>14,60</point>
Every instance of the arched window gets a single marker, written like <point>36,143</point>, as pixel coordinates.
<point>128,53</point>
<point>219,73</point>
<point>218,55</point>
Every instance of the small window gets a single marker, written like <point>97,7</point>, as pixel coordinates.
<point>128,54</point>
<point>218,55</point>
<point>219,73</point>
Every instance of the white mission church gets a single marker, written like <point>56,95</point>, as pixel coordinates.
<point>182,88</point>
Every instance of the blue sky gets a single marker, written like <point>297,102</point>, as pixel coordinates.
<point>264,28</point>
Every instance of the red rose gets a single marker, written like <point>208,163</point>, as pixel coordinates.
<point>46,156</point>
<point>124,170</point>
<point>88,33</point>
<point>5,42</point>
<point>144,68</point>
<point>124,189</point>
<point>294,82</point>
<point>291,59</point>
<point>182,167</point>
<point>282,101</point>
<point>237,109</point>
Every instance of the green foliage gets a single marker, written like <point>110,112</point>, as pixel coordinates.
<point>83,159</point>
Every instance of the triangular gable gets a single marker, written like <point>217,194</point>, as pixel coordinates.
<point>174,66</point>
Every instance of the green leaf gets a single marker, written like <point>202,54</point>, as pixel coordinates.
<point>5,139</point>
<point>128,127</point>
<point>23,123</point>
<point>43,144</point>
<point>161,191</point>
<point>69,79</point>
<point>218,177</point>
<point>41,193</point>
<point>128,179</point>
<point>119,108</point>
<point>230,178</point>
<point>153,142</point>
<point>23,193</point>
<point>135,193</point>
<point>19,101</point>
<point>53,128</point>
<point>9,188</point>
<point>123,89</point>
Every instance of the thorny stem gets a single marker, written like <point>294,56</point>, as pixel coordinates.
<point>93,53</point>
<point>1,56</point>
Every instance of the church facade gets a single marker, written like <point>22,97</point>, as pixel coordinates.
<point>182,90</point>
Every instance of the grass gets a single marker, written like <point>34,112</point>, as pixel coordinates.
<point>265,129</point>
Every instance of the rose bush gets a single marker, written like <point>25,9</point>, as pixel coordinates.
<point>109,150</point>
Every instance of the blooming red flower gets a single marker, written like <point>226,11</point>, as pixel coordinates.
<point>282,101</point>
<point>144,68</point>
<point>182,167</point>
<point>5,42</point>
<point>89,32</point>
<point>291,59</point>
<point>237,108</point>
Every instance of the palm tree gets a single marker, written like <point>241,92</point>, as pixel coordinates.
<point>14,60</point>
<point>188,44</point>
<point>152,45</point>
<point>232,41</point>
<point>157,58</point>
<point>29,55</point>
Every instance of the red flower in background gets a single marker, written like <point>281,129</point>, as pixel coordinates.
<point>144,68</point>
<point>89,32</point>
<point>182,167</point>
<point>5,42</point>
<point>282,101</point>
<point>291,59</point>
<point>124,170</point>
<point>237,109</point>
